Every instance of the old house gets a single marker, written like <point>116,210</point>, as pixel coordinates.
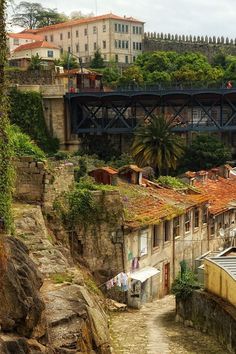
<point>131,174</point>
<point>105,175</point>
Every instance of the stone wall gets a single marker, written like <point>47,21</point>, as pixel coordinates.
<point>211,315</point>
<point>36,183</point>
<point>32,77</point>
<point>208,46</point>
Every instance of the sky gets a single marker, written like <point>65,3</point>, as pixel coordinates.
<point>196,17</point>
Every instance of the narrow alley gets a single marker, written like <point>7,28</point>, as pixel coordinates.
<point>153,330</point>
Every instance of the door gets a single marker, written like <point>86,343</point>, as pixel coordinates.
<point>166,278</point>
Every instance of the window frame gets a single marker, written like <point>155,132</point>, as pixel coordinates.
<point>143,235</point>
<point>187,221</point>
<point>196,218</point>
<point>176,227</point>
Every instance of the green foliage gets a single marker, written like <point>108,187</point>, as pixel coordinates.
<point>82,207</point>
<point>122,160</point>
<point>22,145</point>
<point>97,61</point>
<point>81,170</point>
<point>35,62</point>
<point>26,111</point>
<point>67,61</point>
<point>205,152</point>
<point>185,282</point>
<point>60,278</point>
<point>62,155</point>
<point>101,145</point>
<point>34,15</point>
<point>111,74</point>
<point>156,145</point>
<point>6,173</point>
<point>131,76</point>
<point>172,182</point>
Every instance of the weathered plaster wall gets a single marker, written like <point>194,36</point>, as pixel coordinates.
<point>209,314</point>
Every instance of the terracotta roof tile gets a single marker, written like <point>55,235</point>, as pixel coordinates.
<point>33,45</point>
<point>221,192</point>
<point>86,20</point>
<point>25,36</point>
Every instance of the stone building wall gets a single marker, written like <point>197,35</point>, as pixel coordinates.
<point>208,46</point>
<point>209,314</point>
<point>36,183</point>
<point>32,77</point>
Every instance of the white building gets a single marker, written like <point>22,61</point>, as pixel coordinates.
<point>15,40</point>
<point>47,52</point>
<point>118,38</point>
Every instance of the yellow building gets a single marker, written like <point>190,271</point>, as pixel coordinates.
<point>117,38</point>
<point>220,276</point>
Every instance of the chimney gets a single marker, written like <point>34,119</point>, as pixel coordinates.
<point>214,174</point>
<point>202,176</point>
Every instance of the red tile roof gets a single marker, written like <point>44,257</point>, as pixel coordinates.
<point>33,45</point>
<point>222,193</point>
<point>26,36</point>
<point>150,205</point>
<point>107,169</point>
<point>87,20</point>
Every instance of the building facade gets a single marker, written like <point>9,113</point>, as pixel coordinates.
<point>117,38</point>
<point>14,40</point>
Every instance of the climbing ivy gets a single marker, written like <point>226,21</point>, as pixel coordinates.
<point>185,283</point>
<point>26,111</point>
<point>82,207</point>
<point>5,146</point>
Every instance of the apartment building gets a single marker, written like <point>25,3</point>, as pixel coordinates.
<point>118,38</point>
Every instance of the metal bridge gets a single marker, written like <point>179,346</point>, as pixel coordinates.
<point>120,112</point>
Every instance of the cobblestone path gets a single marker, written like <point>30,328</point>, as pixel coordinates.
<point>153,330</point>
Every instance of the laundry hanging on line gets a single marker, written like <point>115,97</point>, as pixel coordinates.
<point>120,281</point>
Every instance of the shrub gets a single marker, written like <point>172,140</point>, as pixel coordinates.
<point>185,282</point>
<point>22,145</point>
<point>172,182</point>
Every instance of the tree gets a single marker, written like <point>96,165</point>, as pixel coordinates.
<point>156,145</point>
<point>131,76</point>
<point>68,61</point>
<point>35,62</point>
<point>79,14</point>
<point>34,15</point>
<point>205,152</point>
<point>5,146</point>
<point>111,74</point>
<point>97,62</point>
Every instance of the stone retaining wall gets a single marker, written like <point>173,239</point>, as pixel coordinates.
<point>36,183</point>
<point>209,314</point>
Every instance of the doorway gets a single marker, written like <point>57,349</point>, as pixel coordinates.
<point>166,278</point>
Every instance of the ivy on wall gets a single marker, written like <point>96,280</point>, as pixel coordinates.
<point>5,146</point>
<point>26,111</point>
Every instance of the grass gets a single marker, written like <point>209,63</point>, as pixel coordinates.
<point>60,278</point>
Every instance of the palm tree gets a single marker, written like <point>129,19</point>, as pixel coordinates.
<point>156,145</point>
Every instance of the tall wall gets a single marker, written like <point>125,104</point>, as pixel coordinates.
<point>208,46</point>
<point>209,314</point>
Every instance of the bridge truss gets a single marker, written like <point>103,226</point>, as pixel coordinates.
<point>121,112</point>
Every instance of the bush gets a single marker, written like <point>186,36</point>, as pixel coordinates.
<point>61,155</point>
<point>185,282</point>
<point>81,170</point>
<point>22,145</point>
<point>172,182</point>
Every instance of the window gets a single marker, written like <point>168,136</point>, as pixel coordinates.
<point>94,29</point>
<point>140,30</point>
<point>116,58</point>
<point>166,231</point>
<point>156,240</point>
<point>119,45</point>
<point>86,47</point>
<point>50,53</point>
<point>68,49</point>
<point>196,217</point>
<point>104,28</point>
<point>176,227</point>
<point>143,243</point>
<point>126,59</point>
<point>204,215</point>
<point>123,44</point>
<point>77,48</point>
<point>68,35</point>
<point>140,46</point>
<point>133,45</point>
<point>85,32</point>
<point>61,36</point>
<point>116,44</point>
<point>104,44</point>
<point>51,38</point>
<point>16,41</point>
<point>116,27</point>
<point>77,33</point>
<point>137,30</point>
<point>119,27</point>
<point>95,46</point>
<point>126,28</point>
<point>133,29</point>
<point>134,58</point>
<point>127,45</point>
<point>137,45</point>
<point>46,38</point>
<point>123,28</point>
<point>187,221</point>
